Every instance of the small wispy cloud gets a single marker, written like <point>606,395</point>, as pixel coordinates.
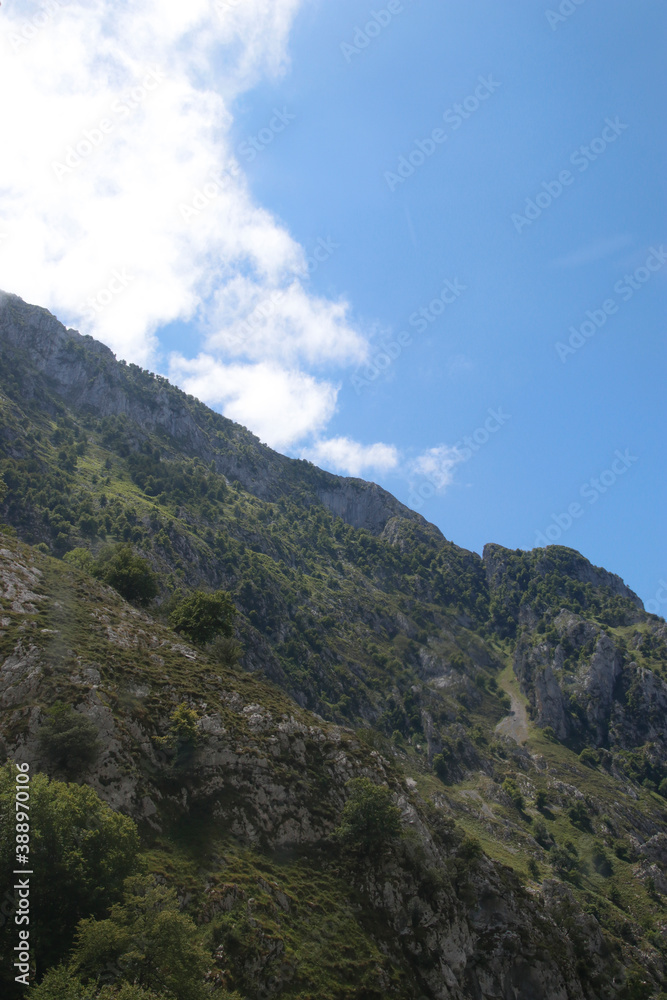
<point>593,252</point>
<point>437,465</point>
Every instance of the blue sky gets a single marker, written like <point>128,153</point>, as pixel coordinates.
<point>495,346</point>
<point>508,289</point>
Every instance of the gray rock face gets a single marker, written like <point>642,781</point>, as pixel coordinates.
<point>534,669</point>
<point>364,505</point>
<point>617,702</point>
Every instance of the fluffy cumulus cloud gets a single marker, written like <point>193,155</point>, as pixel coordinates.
<point>437,465</point>
<point>341,454</point>
<point>124,206</point>
<point>279,405</point>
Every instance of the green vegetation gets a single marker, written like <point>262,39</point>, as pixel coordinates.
<point>68,739</point>
<point>127,573</point>
<point>370,819</point>
<point>417,658</point>
<point>146,941</point>
<point>201,616</point>
<point>83,851</point>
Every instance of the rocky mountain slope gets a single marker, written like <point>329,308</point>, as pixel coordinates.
<point>532,857</point>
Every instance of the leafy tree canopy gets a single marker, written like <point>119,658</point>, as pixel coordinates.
<point>370,818</point>
<point>68,739</point>
<point>83,850</point>
<point>201,616</point>
<point>128,573</point>
<point>146,940</point>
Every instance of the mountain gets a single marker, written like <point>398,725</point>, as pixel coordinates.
<point>512,705</point>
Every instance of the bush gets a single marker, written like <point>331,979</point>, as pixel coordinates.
<point>83,850</point>
<point>225,650</point>
<point>63,984</point>
<point>589,757</point>
<point>128,573</point>
<point>601,861</point>
<point>541,799</point>
<point>183,734</point>
<point>370,819</point>
<point>579,816</point>
<point>201,616</point>
<point>510,788</point>
<point>68,739</point>
<point>81,558</point>
<point>145,940</point>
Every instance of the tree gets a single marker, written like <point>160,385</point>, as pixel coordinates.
<point>183,734</point>
<point>3,489</point>
<point>62,983</point>
<point>510,787</point>
<point>370,819</point>
<point>81,558</point>
<point>68,739</point>
<point>128,573</point>
<point>541,799</point>
<point>83,850</point>
<point>145,940</point>
<point>201,616</point>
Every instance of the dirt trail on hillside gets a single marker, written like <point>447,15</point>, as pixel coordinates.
<point>514,725</point>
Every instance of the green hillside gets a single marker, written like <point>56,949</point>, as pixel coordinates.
<point>512,708</point>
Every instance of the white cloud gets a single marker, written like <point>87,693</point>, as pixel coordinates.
<point>279,405</point>
<point>341,454</point>
<point>437,465</point>
<point>124,205</point>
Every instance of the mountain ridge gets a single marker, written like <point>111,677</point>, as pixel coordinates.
<point>360,503</point>
<point>512,706</point>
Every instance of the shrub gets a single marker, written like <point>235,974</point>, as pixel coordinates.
<point>578,814</point>
<point>183,734</point>
<point>601,861</point>
<point>225,650</point>
<point>63,984</point>
<point>145,940</point>
<point>201,616</point>
<point>510,788</point>
<point>127,573</point>
<point>541,799</point>
<point>370,819</point>
<point>68,739</point>
<point>589,757</point>
<point>81,558</point>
